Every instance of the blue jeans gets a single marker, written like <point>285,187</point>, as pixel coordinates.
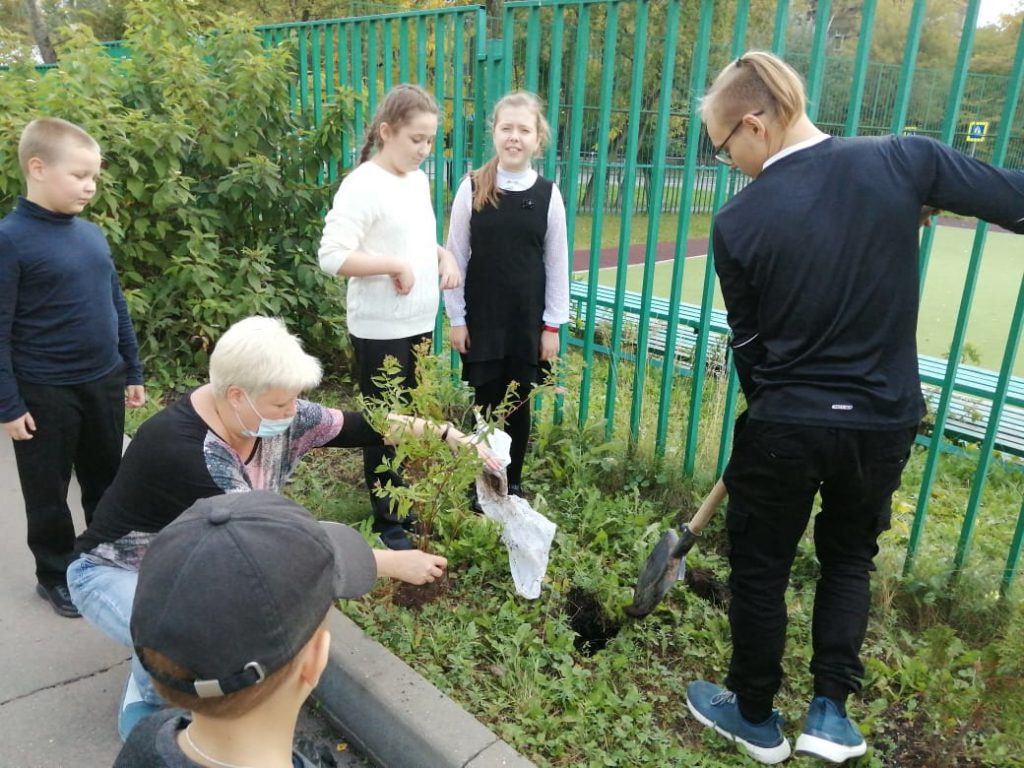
<point>104,594</point>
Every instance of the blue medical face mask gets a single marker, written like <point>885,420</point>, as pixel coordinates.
<point>267,427</point>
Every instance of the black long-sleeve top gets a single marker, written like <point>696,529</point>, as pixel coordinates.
<point>63,318</point>
<point>818,262</point>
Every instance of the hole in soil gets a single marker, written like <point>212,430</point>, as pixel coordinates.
<point>589,621</point>
<point>703,583</point>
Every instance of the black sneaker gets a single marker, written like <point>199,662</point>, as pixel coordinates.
<point>59,599</point>
<point>516,489</point>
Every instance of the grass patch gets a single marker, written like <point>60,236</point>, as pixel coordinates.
<point>944,662</point>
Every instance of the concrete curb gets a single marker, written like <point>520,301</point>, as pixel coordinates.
<point>394,716</point>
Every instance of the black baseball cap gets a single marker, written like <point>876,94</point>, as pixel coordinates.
<point>237,585</point>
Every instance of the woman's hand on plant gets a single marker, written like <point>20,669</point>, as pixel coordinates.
<point>460,338</point>
<point>412,566</point>
<point>482,450</point>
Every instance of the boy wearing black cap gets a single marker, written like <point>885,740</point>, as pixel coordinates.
<point>229,621</point>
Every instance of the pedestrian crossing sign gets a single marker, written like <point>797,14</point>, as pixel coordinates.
<point>977,131</point>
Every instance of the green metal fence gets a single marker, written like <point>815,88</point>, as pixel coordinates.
<point>621,79</point>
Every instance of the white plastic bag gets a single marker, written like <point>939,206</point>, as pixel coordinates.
<point>526,533</point>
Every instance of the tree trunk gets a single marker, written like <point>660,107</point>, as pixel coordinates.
<point>40,32</point>
<point>494,17</point>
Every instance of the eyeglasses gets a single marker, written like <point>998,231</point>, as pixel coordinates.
<point>721,153</point>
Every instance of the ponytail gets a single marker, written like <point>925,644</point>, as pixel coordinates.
<point>372,139</point>
<point>485,185</point>
<point>756,80</point>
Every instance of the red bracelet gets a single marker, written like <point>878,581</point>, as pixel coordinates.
<point>551,328</point>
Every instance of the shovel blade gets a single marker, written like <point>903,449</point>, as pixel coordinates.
<point>659,573</point>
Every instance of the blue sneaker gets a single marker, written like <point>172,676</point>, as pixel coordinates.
<point>829,735</point>
<point>717,708</point>
<point>133,708</point>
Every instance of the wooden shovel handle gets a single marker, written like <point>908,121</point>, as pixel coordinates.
<point>707,508</point>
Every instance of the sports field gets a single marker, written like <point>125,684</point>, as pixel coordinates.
<point>991,312</point>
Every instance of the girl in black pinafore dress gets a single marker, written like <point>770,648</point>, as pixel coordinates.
<point>508,235</point>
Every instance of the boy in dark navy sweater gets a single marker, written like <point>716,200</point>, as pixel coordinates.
<point>69,361</point>
<point>818,262</point>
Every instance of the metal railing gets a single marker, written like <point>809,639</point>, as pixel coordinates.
<point>622,79</point>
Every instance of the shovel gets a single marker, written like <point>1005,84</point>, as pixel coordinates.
<point>667,562</point>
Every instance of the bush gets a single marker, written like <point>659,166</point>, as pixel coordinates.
<point>213,189</point>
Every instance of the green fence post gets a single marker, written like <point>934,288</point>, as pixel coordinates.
<point>860,68</point>
<point>956,93</point>
<point>779,32</point>
<point>532,49</point>
<point>421,50</point>
<point>707,298</point>
<point>403,50</point>
<point>506,52</point>
<point>458,132</point>
<point>388,55</point>
<point>628,199</point>
<point>935,446</point>
<point>317,70</point>
<point>694,128</point>
<point>654,199</point>
<point>344,82</point>
<point>816,67</point>
<point>366,107</point>
<point>571,190</point>
<point>332,167</point>
<point>480,88</point>
<point>1013,561</point>
<point>1010,355</point>
<point>557,51</point>
<point>611,36</point>
<point>373,81</point>
<point>303,70</point>
<point>439,162</point>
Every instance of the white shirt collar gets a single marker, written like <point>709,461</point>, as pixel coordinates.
<point>805,144</point>
<point>514,181</point>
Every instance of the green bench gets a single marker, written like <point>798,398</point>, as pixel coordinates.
<point>973,388</point>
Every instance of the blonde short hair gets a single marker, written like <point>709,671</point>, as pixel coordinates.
<point>756,80</point>
<point>258,354</point>
<point>47,137</point>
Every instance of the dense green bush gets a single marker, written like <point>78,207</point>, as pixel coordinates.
<point>213,190</point>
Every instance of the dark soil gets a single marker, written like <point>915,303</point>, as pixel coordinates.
<point>703,583</point>
<point>415,595</point>
<point>907,745</point>
<point>589,621</point>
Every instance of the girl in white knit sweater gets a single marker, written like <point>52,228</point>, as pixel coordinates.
<point>382,235</point>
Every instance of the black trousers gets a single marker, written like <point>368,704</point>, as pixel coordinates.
<point>370,354</point>
<point>773,476</point>
<point>79,427</point>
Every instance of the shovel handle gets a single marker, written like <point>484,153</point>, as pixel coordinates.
<point>707,508</point>
<point>692,529</point>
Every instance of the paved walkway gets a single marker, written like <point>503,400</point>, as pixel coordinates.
<point>61,679</point>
